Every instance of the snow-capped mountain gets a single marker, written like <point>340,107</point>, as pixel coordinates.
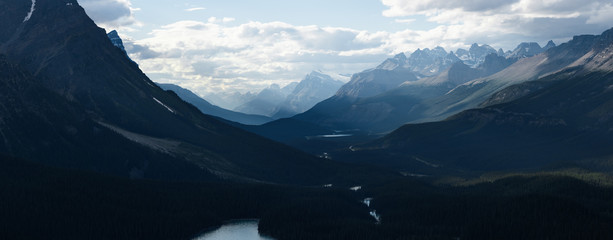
<point>424,62</point>
<point>267,100</point>
<point>475,56</point>
<point>529,49</point>
<point>428,62</point>
<point>315,87</point>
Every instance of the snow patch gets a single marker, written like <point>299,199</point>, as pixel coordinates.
<point>367,201</point>
<point>164,105</point>
<point>426,162</point>
<point>356,188</point>
<point>31,11</point>
<point>328,186</point>
<point>376,216</point>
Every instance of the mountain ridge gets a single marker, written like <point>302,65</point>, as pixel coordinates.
<point>78,62</point>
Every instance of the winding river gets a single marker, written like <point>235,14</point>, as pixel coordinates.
<point>235,230</point>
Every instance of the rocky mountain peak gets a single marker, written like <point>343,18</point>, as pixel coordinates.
<point>399,60</point>
<point>116,40</point>
<point>475,55</point>
<point>526,49</point>
<point>549,45</point>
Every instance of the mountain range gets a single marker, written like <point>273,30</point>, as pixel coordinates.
<point>296,97</point>
<point>551,110</point>
<point>266,101</point>
<point>151,133</point>
<point>315,87</point>
<point>210,109</point>
<point>382,99</point>
<point>477,144</point>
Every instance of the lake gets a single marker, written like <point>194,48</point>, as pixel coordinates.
<point>235,230</point>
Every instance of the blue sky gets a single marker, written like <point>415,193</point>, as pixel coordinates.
<point>238,45</point>
<point>366,15</point>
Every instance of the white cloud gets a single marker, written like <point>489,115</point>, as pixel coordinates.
<point>113,14</point>
<point>212,56</point>
<point>195,9</point>
<point>407,21</point>
<point>505,22</point>
<point>219,54</point>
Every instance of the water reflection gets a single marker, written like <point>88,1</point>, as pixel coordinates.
<point>236,230</point>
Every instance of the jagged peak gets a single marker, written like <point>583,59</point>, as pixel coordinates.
<point>549,45</point>
<point>439,48</point>
<point>400,56</point>
<point>113,33</point>
<point>317,74</point>
<point>528,44</point>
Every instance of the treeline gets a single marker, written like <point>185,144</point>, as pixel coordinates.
<point>38,202</point>
<point>541,207</point>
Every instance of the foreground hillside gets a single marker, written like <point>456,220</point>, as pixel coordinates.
<point>88,86</point>
<point>43,202</point>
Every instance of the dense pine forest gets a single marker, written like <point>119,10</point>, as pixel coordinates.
<point>40,202</point>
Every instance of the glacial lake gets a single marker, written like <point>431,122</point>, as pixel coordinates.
<point>235,230</point>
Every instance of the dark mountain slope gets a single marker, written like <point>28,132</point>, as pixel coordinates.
<point>392,107</point>
<point>568,120</point>
<point>210,109</point>
<point>36,123</point>
<point>76,60</point>
<point>473,93</point>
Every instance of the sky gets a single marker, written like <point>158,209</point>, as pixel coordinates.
<point>238,45</point>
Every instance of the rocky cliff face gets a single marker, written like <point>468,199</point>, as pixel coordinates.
<point>526,49</point>
<point>476,54</point>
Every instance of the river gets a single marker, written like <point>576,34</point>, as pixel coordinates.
<point>235,230</point>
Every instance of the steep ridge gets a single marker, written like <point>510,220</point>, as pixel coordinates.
<point>76,60</point>
<point>436,98</point>
<point>563,119</point>
<point>36,123</point>
<point>387,110</point>
<point>475,92</point>
<point>210,109</point>
<point>565,123</point>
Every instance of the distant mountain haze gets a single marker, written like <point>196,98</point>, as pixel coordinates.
<point>314,88</point>
<point>210,109</point>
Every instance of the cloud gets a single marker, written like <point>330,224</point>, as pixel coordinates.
<point>195,9</point>
<point>502,21</point>
<point>406,21</point>
<point>110,13</point>
<point>220,20</point>
<point>219,54</point>
<point>212,56</point>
